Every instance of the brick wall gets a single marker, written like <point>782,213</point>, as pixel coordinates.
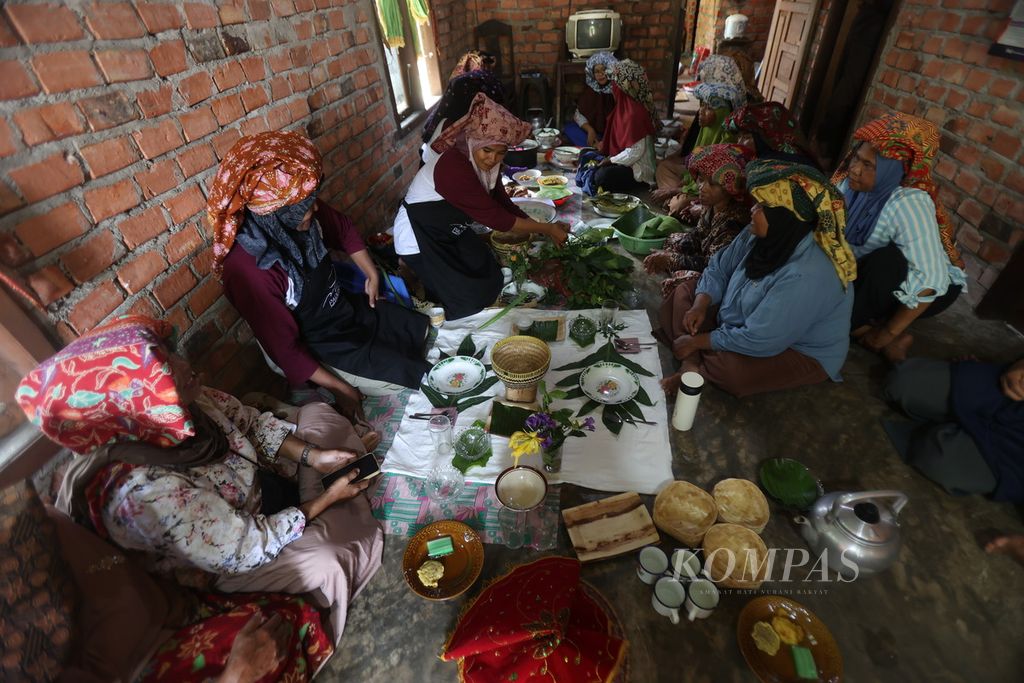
<point>114,115</point>
<point>453,22</point>
<point>707,16</point>
<point>539,31</point>
<point>759,22</point>
<point>935,65</point>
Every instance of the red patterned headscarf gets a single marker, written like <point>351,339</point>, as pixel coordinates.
<point>486,122</point>
<point>111,385</point>
<point>915,142</point>
<point>723,165</point>
<point>539,621</point>
<point>261,173</point>
<point>773,122</point>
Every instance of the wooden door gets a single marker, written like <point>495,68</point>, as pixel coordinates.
<point>788,39</point>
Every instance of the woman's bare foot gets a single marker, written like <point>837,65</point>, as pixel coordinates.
<point>1009,544</point>
<point>896,350</point>
<point>670,385</point>
<point>370,440</point>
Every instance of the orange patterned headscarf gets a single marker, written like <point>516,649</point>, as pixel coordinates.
<point>261,173</point>
<point>915,142</point>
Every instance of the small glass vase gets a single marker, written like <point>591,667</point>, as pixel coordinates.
<point>552,458</point>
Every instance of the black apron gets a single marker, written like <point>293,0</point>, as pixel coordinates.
<point>384,343</point>
<point>454,264</point>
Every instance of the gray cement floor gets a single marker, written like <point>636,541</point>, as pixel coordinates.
<point>945,612</point>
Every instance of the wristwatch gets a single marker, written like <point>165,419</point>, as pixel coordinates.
<point>304,458</point>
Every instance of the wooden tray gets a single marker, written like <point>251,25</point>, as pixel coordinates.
<point>610,527</point>
<point>560,319</point>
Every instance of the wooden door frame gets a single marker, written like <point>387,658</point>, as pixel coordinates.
<point>766,66</point>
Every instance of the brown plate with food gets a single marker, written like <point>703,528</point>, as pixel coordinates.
<point>461,568</point>
<point>792,625</point>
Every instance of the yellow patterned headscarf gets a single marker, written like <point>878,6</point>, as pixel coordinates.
<point>812,198</point>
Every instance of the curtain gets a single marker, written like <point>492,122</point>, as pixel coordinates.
<point>390,14</point>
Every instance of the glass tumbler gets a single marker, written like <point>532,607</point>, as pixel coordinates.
<point>609,309</point>
<point>444,481</point>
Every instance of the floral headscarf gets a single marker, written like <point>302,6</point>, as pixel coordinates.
<point>473,60</point>
<point>261,173</point>
<point>915,142</point>
<point>723,165</point>
<point>459,95</point>
<point>486,120</point>
<point>723,70</point>
<point>632,80</point>
<point>773,123</point>
<point>486,123</point>
<point>807,194</point>
<point>111,385</point>
<point>720,95</point>
<point>606,59</point>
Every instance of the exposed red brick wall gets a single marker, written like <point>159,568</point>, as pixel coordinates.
<point>759,21</point>
<point>453,21</point>
<point>539,30</point>
<point>935,64</point>
<point>113,116</point>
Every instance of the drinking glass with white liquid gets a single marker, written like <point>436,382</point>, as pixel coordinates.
<point>519,489</point>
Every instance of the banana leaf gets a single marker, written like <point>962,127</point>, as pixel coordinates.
<point>606,418</point>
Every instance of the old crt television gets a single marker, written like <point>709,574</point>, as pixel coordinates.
<point>593,30</point>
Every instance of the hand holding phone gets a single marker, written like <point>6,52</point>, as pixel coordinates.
<point>366,465</point>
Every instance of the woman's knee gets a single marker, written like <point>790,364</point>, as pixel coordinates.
<point>320,424</point>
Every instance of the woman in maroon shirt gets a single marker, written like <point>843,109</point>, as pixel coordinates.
<point>451,195</point>
<point>272,242</point>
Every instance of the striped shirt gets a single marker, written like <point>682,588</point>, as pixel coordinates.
<point>908,221</point>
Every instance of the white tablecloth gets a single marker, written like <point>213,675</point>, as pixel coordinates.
<point>638,459</point>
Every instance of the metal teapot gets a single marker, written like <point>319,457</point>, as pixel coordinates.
<point>859,531</point>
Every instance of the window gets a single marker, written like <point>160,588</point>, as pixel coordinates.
<point>410,55</point>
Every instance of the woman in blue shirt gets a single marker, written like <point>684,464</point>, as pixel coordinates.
<point>771,311</point>
<point>908,264</point>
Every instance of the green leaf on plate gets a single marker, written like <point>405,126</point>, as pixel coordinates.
<point>588,407</point>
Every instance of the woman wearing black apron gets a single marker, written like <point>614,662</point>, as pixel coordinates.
<point>454,197</point>
<point>271,250</point>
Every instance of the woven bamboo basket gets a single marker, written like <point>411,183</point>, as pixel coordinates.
<point>685,512</point>
<point>741,502</point>
<point>735,556</point>
<point>521,363</point>
<point>504,244</point>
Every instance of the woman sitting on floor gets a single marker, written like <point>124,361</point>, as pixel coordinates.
<point>453,195</point>
<point>271,240</point>
<point>769,130</point>
<point>595,103</point>
<point>454,104</point>
<point>968,430</point>
<point>182,472</point>
<point>628,144</point>
<point>708,126</point>
<point>908,264</point>
<point>771,310</point>
<point>719,173</point>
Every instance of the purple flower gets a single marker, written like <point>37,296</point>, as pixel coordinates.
<point>589,424</point>
<point>540,422</point>
<point>547,442</point>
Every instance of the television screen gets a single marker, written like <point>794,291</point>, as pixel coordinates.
<point>594,34</point>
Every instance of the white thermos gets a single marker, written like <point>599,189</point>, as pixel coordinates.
<point>686,402</point>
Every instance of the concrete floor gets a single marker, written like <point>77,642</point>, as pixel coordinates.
<point>945,612</point>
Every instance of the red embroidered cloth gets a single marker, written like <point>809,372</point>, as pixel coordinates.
<point>536,621</point>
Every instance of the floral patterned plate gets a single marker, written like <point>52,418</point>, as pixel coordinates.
<point>456,375</point>
<point>609,383</point>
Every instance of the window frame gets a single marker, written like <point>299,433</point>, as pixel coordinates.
<point>415,114</point>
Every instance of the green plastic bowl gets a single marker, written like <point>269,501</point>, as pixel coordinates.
<point>628,223</point>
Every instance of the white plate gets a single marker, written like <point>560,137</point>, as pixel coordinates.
<point>612,214</point>
<point>600,223</point>
<point>609,383</point>
<point>542,211</point>
<point>456,375</point>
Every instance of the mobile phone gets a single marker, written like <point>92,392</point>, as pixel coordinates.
<point>366,464</point>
